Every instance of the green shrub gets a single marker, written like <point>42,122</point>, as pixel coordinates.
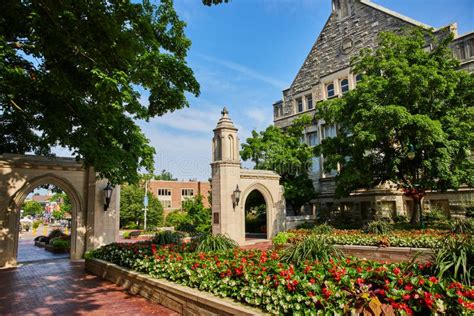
<point>36,224</point>
<point>323,229</point>
<point>455,259</point>
<point>379,227</point>
<point>310,248</point>
<point>282,238</point>
<point>434,215</point>
<point>167,237</point>
<point>176,218</point>
<point>400,219</point>
<point>462,226</point>
<point>59,243</point>
<point>55,233</point>
<point>306,225</point>
<point>126,235</point>
<point>219,242</point>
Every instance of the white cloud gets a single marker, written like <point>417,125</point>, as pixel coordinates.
<point>244,70</point>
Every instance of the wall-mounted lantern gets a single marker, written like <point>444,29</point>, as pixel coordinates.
<point>107,195</point>
<point>411,152</point>
<point>236,196</point>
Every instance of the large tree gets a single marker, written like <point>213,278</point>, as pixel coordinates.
<point>132,208</point>
<point>410,121</point>
<point>72,73</point>
<point>32,208</point>
<point>283,152</point>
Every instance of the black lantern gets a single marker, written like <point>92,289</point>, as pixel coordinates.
<point>236,196</point>
<point>411,152</point>
<point>107,195</point>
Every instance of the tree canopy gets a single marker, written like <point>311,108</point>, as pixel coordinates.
<point>410,121</point>
<point>73,74</point>
<point>132,213</point>
<point>283,152</point>
<point>32,208</point>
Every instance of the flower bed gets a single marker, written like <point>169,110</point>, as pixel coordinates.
<point>412,239</point>
<point>260,279</point>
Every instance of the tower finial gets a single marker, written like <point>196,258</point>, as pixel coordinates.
<point>225,111</point>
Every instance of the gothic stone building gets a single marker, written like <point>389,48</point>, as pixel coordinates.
<point>326,73</point>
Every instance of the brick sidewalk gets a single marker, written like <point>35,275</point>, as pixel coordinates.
<point>61,287</point>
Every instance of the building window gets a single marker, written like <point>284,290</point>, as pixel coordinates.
<point>462,52</point>
<point>281,110</point>
<point>330,90</point>
<point>165,203</point>
<point>471,47</point>
<point>164,192</point>
<point>299,104</point>
<point>309,102</point>
<point>329,130</point>
<point>358,78</point>
<point>187,192</point>
<point>316,165</point>
<point>275,111</point>
<point>312,138</point>
<point>344,86</point>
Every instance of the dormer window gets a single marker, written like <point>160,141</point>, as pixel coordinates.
<point>344,86</point>
<point>330,90</point>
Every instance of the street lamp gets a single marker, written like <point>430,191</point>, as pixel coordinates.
<point>107,195</point>
<point>236,196</point>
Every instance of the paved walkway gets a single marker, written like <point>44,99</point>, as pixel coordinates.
<point>28,252</point>
<point>61,287</point>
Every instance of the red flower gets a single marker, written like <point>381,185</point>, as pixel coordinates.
<point>409,287</point>
<point>433,279</point>
<point>327,293</point>
<point>406,297</point>
<point>310,294</point>
<point>396,271</point>
<point>312,281</point>
<point>153,248</point>
<point>360,280</point>
<point>421,282</point>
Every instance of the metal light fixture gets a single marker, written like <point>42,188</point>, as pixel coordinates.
<point>237,193</point>
<point>107,195</point>
<point>411,152</point>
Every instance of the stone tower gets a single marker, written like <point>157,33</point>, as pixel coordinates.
<point>226,217</point>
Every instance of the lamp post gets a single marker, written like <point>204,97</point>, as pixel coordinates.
<point>107,195</point>
<point>236,196</point>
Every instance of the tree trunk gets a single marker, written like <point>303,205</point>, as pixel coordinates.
<point>416,216</point>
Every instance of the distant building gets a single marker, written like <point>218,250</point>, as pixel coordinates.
<point>326,73</point>
<point>172,194</point>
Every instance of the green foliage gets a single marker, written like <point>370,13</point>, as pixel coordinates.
<point>410,98</point>
<point>176,218</point>
<point>32,208</point>
<point>63,200</point>
<point>434,215</point>
<point>167,237</point>
<point>165,175</point>
<point>462,226</point>
<point>311,248</point>
<point>126,235</point>
<point>61,243</point>
<point>219,242</point>
<point>455,259</point>
<point>400,219</point>
<point>58,214</point>
<point>306,225</point>
<point>74,75</point>
<point>283,152</point>
<point>55,233</point>
<point>379,227</point>
<point>36,224</point>
<point>132,208</point>
<point>199,216</point>
<point>323,229</point>
<point>282,238</point>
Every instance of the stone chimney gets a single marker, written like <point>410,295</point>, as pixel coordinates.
<point>342,8</point>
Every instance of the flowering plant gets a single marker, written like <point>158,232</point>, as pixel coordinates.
<point>262,279</point>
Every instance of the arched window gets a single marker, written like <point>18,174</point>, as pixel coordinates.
<point>217,148</point>
<point>231,148</point>
<point>344,86</point>
<point>330,90</point>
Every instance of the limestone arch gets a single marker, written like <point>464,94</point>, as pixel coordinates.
<point>269,205</point>
<point>20,195</point>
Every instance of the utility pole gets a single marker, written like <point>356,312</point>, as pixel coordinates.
<point>145,203</point>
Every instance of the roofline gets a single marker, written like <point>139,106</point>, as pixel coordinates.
<point>397,15</point>
<point>178,181</point>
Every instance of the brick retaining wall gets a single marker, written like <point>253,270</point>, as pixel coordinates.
<point>184,300</point>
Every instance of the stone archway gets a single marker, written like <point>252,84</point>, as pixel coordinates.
<point>91,225</point>
<point>255,214</point>
<point>228,214</point>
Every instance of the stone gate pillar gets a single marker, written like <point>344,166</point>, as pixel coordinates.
<point>226,217</point>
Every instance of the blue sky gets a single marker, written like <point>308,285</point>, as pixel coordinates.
<point>243,54</point>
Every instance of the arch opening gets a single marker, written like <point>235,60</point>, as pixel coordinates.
<point>256,210</point>
<point>44,211</point>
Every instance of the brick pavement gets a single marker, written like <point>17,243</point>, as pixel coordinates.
<point>61,287</point>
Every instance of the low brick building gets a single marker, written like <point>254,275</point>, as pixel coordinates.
<point>173,193</point>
